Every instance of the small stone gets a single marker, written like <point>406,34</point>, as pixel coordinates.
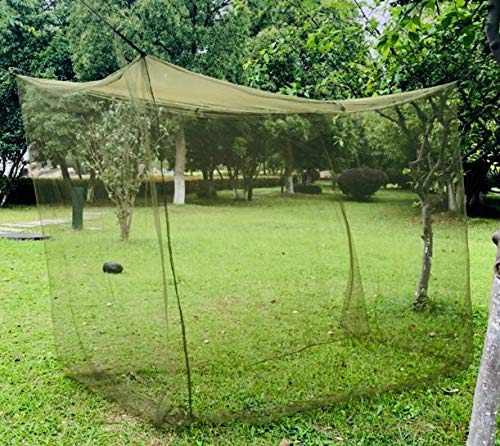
<point>432,334</point>
<point>205,341</point>
<point>112,268</point>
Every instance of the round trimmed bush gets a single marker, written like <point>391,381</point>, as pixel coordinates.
<point>362,182</point>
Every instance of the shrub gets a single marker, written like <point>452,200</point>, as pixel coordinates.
<point>206,190</point>
<point>362,182</point>
<point>313,175</point>
<point>397,177</point>
<point>307,189</point>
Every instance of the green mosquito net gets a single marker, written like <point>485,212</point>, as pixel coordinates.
<point>276,253</point>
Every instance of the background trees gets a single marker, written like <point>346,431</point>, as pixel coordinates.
<point>330,49</point>
<point>33,43</point>
<point>429,43</point>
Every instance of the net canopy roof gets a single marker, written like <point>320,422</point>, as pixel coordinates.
<point>317,250</point>
<point>179,88</point>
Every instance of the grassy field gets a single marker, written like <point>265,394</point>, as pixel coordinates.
<point>235,262</point>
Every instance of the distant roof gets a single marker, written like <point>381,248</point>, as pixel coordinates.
<point>182,89</point>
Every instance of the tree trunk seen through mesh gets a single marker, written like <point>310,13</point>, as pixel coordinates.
<point>124,214</point>
<point>420,300</point>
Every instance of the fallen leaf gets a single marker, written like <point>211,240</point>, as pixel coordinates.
<point>285,442</point>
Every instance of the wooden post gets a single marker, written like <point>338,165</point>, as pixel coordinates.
<point>487,394</point>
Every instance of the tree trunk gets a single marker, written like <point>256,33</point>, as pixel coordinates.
<point>421,298</point>
<point>452,199</point>
<point>180,165</point>
<point>91,188</point>
<point>125,221</point>
<point>492,28</point>
<point>248,189</point>
<point>487,394</point>
<point>460,199</point>
<point>289,168</point>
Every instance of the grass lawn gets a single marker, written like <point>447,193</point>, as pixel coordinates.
<point>258,285</point>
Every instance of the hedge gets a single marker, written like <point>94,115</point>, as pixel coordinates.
<point>312,189</point>
<point>54,190</point>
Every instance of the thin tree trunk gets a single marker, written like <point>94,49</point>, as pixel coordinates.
<point>487,394</point>
<point>248,190</point>
<point>180,165</point>
<point>289,168</point>
<point>421,296</point>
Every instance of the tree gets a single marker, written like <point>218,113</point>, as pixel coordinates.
<point>203,37</point>
<point>33,43</point>
<point>13,147</point>
<point>251,147</point>
<point>115,148</point>
<point>311,49</point>
<point>430,43</point>
<point>285,133</point>
<point>434,167</point>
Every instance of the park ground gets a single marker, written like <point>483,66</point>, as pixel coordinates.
<point>40,404</point>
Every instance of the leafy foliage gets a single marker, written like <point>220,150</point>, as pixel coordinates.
<point>429,43</point>
<point>116,150</point>
<point>33,42</point>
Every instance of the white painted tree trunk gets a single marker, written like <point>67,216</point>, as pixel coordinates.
<point>487,394</point>
<point>180,166</point>
<point>452,199</point>
<point>289,168</point>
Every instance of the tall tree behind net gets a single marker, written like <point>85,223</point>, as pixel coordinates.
<point>241,308</point>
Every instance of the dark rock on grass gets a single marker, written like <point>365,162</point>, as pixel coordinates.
<point>112,268</point>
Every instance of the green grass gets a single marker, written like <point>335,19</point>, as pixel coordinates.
<point>231,267</point>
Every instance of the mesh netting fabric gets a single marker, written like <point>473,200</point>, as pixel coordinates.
<point>231,308</point>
